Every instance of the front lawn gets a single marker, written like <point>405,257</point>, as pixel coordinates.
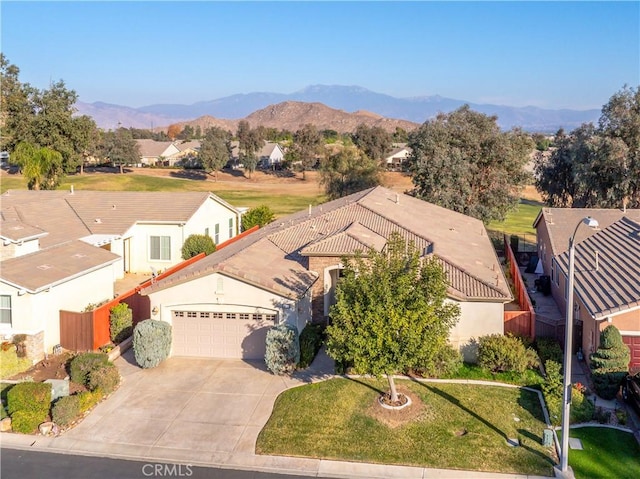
<point>607,453</point>
<point>531,377</point>
<point>450,426</point>
<point>11,364</point>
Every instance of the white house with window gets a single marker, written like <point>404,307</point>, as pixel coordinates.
<point>65,249</point>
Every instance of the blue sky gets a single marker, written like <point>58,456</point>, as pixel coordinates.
<point>546,54</point>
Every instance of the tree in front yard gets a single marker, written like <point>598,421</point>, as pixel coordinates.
<point>196,244</point>
<point>610,363</point>
<point>391,313</point>
<point>259,215</point>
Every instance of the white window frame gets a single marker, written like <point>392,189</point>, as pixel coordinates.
<point>6,324</point>
<point>231,228</point>
<point>160,258</point>
<point>216,234</point>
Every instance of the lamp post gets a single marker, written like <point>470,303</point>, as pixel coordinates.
<point>568,346</point>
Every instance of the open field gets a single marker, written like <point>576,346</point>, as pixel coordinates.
<point>284,193</point>
<point>449,426</point>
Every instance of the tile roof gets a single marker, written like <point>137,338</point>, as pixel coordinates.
<point>67,216</point>
<point>561,223</point>
<point>186,145</point>
<point>361,219</point>
<point>48,267</point>
<point>15,230</point>
<point>612,284</point>
<point>153,148</point>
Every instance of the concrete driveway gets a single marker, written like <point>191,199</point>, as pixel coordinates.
<point>195,410</point>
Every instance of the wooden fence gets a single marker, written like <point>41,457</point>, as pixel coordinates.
<point>90,330</point>
<point>521,322</point>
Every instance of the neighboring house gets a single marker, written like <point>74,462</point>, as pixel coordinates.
<point>158,152</point>
<point>397,159</point>
<point>270,156</point>
<point>607,271</point>
<point>223,305</point>
<point>188,154</point>
<point>64,250</point>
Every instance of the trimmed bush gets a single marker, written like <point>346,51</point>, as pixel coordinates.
<point>3,412</point>
<point>549,349</point>
<point>196,244</point>
<point>552,391</point>
<point>26,422</point>
<point>500,353</point>
<point>65,410</point>
<point>151,342</point>
<point>30,397</point>
<point>88,399</point>
<point>311,339</point>
<point>105,378</point>
<point>283,349</point>
<point>120,322</point>
<point>258,215</point>
<point>84,363</point>
<point>609,364</point>
<point>582,409</point>
<point>447,361</point>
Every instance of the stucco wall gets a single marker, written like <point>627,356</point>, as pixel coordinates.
<point>13,250</point>
<point>320,264</point>
<point>476,319</point>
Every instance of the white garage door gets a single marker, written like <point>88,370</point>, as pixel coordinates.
<point>220,335</point>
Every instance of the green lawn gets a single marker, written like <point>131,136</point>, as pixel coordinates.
<point>11,364</point>
<point>281,203</point>
<point>333,420</point>
<point>607,453</point>
<point>520,222</point>
<point>531,377</point>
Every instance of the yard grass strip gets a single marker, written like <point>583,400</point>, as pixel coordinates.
<point>460,427</point>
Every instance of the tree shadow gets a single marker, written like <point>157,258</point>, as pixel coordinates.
<point>367,385</point>
<point>191,174</point>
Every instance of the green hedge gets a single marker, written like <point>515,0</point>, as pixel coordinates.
<point>105,378</point>
<point>120,322</point>
<point>65,410</point>
<point>499,353</point>
<point>28,404</point>
<point>84,363</point>
<point>311,339</point>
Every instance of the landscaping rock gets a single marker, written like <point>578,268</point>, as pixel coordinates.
<point>5,424</point>
<point>48,428</point>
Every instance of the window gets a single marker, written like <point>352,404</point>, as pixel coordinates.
<point>206,231</point>
<point>160,248</point>
<point>5,309</point>
<point>216,237</point>
<point>244,316</point>
<point>231,316</point>
<point>192,314</point>
<point>216,315</point>
<point>230,227</point>
<point>257,317</point>
<point>178,314</point>
<point>270,317</point>
<point>204,315</point>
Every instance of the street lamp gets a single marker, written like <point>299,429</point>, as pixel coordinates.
<point>568,346</point>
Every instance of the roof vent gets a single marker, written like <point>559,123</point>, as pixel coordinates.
<point>113,207</point>
<point>71,189</point>
<point>45,266</point>
<point>98,220</point>
<point>397,199</point>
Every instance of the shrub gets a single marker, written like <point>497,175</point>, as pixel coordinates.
<point>582,408</point>
<point>311,339</point>
<point>30,397</point>
<point>609,363</point>
<point>499,353</point>
<point>259,215</point>
<point>105,378</point>
<point>88,399</point>
<point>447,362</point>
<point>65,410</point>
<point>26,422</point>
<point>151,342</point>
<point>21,347</point>
<point>552,391</point>
<point>196,244</point>
<point>283,349</point>
<point>3,412</point>
<point>84,363</point>
<point>120,322</point>
<point>549,349</point>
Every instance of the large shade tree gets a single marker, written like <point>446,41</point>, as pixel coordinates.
<point>374,141</point>
<point>348,171</point>
<point>215,150</point>
<point>463,161</point>
<point>307,142</point>
<point>597,167</point>
<point>390,313</point>
<point>41,166</point>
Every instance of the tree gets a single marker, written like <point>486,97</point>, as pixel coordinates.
<point>214,150</point>
<point>308,143</point>
<point>42,167</point>
<point>597,167</point>
<point>462,161</point>
<point>259,215</point>
<point>348,171</point>
<point>120,148</point>
<point>196,244</point>
<point>16,107</point>
<point>400,135</point>
<point>173,131</point>
<point>250,142</point>
<point>610,363</point>
<point>374,141</point>
<point>391,313</point>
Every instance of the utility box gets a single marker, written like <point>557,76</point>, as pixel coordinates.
<point>547,438</point>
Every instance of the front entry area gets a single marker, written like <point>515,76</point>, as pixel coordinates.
<point>229,334</point>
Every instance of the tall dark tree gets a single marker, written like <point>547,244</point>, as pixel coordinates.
<point>597,167</point>
<point>214,150</point>
<point>391,312</point>
<point>250,143</point>
<point>374,141</point>
<point>347,172</point>
<point>16,107</point>
<point>463,161</point>
<point>120,148</point>
<point>308,143</point>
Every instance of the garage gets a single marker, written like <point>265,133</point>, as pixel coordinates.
<point>634,346</point>
<point>230,334</point>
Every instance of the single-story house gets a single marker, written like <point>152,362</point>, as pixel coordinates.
<point>397,158</point>
<point>62,250</point>
<point>607,271</point>
<point>287,271</point>
<point>154,152</point>
<point>270,156</point>
<point>188,154</point>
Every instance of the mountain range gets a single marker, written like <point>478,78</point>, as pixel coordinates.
<point>346,98</point>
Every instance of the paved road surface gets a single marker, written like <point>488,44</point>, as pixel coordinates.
<point>20,464</point>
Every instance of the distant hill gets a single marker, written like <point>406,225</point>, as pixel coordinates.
<point>345,98</point>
